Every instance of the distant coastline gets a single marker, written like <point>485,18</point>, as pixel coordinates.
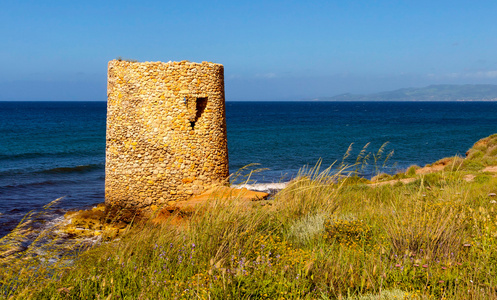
<point>440,93</point>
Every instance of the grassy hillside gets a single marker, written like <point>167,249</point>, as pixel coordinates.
<point>431,236</point>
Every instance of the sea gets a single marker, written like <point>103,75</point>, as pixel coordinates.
<point>52,150</point>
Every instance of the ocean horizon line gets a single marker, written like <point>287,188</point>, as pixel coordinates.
<point>303,100</point>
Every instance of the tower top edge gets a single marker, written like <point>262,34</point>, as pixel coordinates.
<point>158,63</point>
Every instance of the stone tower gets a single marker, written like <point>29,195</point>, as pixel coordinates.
<point>166,132</point>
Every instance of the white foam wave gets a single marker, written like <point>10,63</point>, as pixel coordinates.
<point>54,222</point>
<point>263,187</point>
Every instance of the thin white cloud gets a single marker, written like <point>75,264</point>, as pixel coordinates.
<point>234,76</point>
<point>463,75</point>
<point>485,74</point>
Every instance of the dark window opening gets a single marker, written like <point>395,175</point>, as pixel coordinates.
<point>200,104</point>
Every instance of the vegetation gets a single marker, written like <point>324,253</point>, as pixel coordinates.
<point>323,237</point>
<point>120,58</point>
<point>482,154</point>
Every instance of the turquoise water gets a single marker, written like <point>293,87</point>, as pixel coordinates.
<point>54,149</point>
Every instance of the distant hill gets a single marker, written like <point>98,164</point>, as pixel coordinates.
<point>442,92</point>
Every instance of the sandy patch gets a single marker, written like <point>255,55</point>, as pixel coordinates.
<point>492,169</point>
<point>392,182</point>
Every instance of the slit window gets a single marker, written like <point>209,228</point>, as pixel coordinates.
<point>196,107</point>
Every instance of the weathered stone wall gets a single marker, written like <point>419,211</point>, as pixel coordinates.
<point>166,131</point>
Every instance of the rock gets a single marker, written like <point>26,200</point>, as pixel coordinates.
<point>217,193</point>
<point>229,193</point>
<point>87,219</point>
<point>97,221</point>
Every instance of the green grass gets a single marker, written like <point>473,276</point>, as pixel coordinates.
<point>482,154</point>
<point>323,237</point>
<point>120,58</point>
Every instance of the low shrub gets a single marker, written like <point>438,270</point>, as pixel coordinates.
<point>454,165</point>
<point>432,179</point>
<point>482,178</point>
<point>472,165</point>
<point>475,154</point>
<point>305,229</point>
<point>381,177</point>
<point>351,233</point>
<point>401,175</point>
<point>493,151</point>
<point>411,171</point>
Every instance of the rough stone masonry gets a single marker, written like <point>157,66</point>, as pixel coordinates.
<point>166,132</point>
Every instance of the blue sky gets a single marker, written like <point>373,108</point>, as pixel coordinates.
<point>271,50</point>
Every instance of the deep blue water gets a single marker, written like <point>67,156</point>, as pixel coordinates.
<point>54,149</point>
